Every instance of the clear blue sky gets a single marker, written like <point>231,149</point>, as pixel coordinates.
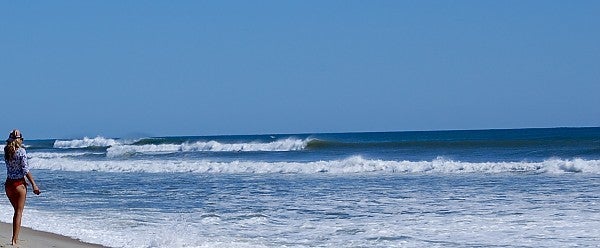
<point>120,68</point>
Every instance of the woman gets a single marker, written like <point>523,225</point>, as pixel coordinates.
<point>16,171</point>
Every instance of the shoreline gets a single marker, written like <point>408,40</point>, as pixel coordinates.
<point>29,238</point>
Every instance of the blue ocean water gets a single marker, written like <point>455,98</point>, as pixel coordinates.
<point>480,188</point>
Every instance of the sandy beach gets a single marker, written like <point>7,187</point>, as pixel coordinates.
<point>29,238</point>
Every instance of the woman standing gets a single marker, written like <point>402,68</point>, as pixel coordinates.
<point>17,169</point>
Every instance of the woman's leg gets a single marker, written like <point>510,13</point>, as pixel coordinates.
<point>17,198</point>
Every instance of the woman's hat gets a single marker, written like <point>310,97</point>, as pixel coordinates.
<point>15,134</point>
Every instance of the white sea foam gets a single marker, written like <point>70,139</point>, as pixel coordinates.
<point>114,229</point>
<point>289,144</point>
<point>354,164</point>
<point>123,150</point>
<point>85,142</point>
<point>419,215</point>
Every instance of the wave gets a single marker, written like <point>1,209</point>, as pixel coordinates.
<point>117,147</point>
<point>355,164</point>
<point>85,143</point>
<point>289,144</point>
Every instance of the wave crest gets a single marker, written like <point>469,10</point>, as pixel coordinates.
<point>289,144</point>
<point>350,165</point>
<point>85,142</point>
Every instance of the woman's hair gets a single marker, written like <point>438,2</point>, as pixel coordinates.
<point>13,143</point>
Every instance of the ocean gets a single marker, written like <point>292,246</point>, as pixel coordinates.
<point>468,188</point>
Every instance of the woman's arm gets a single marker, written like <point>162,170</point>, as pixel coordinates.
<point>25,166</point>
<point>36,190</point>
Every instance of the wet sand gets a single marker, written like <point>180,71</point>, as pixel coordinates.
<point>37,239</point>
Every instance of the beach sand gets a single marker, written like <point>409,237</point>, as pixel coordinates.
<point>36,239</point>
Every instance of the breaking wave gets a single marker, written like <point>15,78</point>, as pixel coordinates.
<point>355,164</point>
<point>117,147</point>
<point>85,142</point>
<point>288,144</point>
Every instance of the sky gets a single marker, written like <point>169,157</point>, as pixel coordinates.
<point>70,69</point>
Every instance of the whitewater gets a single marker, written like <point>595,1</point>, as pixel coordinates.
<point>467,188</point>
<point>351,165</point>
